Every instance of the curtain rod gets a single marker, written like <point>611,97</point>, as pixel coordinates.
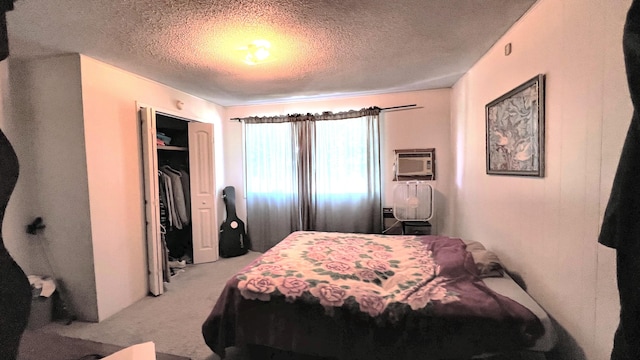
<point>398,107</point>
<point>381,109</point>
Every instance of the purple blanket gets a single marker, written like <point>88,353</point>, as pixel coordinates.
<point>363,295</point>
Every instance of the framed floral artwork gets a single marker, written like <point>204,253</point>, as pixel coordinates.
<point>515,131</point>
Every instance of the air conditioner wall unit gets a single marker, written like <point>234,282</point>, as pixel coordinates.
<point>416,164</point>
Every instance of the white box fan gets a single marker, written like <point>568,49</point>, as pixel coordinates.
<point>413,201</point>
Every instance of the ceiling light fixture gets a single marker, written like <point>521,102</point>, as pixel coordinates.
<point>257,52</point>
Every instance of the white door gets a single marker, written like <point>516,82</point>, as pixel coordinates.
<point>151,197</point>
<point>203,190</point>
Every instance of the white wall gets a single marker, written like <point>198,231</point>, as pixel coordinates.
<point>426,126</point>
<point>47,104</point>
<point>74,122</point>
<point>114,161</point>
<point>546,228</point>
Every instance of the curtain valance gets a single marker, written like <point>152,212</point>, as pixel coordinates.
<point>327,115</point>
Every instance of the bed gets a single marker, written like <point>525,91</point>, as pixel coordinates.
<point>369,296</point>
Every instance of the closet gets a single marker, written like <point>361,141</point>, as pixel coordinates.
<point>179,192</point>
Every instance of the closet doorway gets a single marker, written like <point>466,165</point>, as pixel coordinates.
<point>178,164</point>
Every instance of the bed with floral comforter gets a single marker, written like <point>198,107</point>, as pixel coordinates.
<point>351,296</point>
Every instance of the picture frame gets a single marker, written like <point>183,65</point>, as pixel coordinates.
<point>515,128</point>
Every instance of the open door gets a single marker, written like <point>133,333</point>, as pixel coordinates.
<point>151,197</point>
<point>203,187</point>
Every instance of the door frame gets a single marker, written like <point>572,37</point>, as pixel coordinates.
<point>151,196</point>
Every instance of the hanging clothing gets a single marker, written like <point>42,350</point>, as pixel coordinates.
<point>186,190</point>
<point>166,271</point>
<point>174,220</point>
<point>162,203</point>
<point>621,225</point>
<point>175,197</point>
<point>178,193</point>
<point>15,290</point>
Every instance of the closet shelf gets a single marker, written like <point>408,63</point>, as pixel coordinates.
<point>172,148</point>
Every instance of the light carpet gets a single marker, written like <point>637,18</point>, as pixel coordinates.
<point>172,320</point>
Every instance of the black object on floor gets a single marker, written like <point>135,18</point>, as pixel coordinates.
<point>38,345</point>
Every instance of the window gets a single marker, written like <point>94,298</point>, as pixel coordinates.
<point>312,175</point>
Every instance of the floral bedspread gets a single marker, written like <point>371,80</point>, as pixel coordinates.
<point>354,296</point>
<point>372,270</point>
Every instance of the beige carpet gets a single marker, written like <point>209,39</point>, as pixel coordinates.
<point>173,320</point>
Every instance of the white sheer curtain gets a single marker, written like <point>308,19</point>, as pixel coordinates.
<point>311,174</point>
<point>271,181</point>
<point>347,175</point>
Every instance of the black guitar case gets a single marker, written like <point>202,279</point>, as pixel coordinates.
<point>233,237</point>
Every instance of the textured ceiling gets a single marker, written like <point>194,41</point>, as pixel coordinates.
<point>319,48</point>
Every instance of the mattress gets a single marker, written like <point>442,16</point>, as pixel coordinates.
<point>508,287</point>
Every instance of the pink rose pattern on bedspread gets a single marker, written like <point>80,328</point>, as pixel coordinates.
<point>374,271</point>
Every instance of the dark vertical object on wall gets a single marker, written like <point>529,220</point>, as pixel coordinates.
<point>5,5</point>
<point>621,224</point>
<point>15,291</point>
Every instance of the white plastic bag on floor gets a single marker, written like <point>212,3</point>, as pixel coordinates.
<point>144,351</point>
<point>41,285</point>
